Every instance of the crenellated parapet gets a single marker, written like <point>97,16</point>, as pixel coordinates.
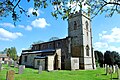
<point>79,13</point>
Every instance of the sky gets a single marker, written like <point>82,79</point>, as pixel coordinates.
<point>105,31</point>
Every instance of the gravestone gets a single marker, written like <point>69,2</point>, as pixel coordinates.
<point>23,66</point>
<point>107,69</point>
<point>110,71</point>
<point>118,75</point>
<point>0,66</point>
<point>40,69</point>
<point>116,68</point>
<point>15,64</point>
<point>10,75</point>
<point>21,69</point>
<point>10,63</point>
<point>5,62</point>
<point>113,69</point>
<point>118,72</point>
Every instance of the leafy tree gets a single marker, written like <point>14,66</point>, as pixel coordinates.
<point>11,52</point>
<point>107,6</point>
<point>116,57</point>
<point>109,58</point>
<point>99,57</point>
<point>61,7</point>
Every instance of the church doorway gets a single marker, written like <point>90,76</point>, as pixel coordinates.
<point>56,62</point>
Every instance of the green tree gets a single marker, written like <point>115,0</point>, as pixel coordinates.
<point>107,6</point>
<point>99,57</point>
<point>61,7</point>
<point>11,52</point>
<point>116,57</point>
<point>111,58</point>
<point>7,50</point>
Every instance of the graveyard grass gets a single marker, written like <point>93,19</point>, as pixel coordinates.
<point>32,74</point>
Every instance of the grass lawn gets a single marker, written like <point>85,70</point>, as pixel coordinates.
<point>32,74</point>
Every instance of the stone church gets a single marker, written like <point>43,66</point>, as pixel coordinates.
<point>73,52</point>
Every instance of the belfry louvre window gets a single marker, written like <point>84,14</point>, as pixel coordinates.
<point>87,50</point>
<point>86,24</point>
<point>75,25</point>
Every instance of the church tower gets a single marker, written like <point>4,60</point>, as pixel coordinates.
<point>79,30</point>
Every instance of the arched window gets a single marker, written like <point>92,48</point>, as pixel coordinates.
<point>87,50</point>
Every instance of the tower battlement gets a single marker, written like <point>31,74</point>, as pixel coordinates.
<point>78,13</point>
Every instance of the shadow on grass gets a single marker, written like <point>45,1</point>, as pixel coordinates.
<point>37,72</point>
<point>115,78</point>
<point>16,73</point>
<point>103,74</point>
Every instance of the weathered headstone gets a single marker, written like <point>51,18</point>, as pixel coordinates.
<point>15,64</point>
<point>116,68</point>
<point>118,72</point>
<point>23,66</point>
<point>113,69</point>
<point>107,69</point>
<point>110,71</point>
<point>21,69</point>
<point>10,75</point>
<point>5,62</point>
<point>10,63</point>
<point>118,75</point>
<point>0,66</point>
<point>40,69</point>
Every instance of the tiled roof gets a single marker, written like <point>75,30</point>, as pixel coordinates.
<point>41,51</point>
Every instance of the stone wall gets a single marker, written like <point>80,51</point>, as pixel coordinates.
<point>50,63</point>
<point>41,63</point>
<point>74,63</point>
<point>30,60</point>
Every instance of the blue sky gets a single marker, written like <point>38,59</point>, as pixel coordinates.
<point>106,31</point>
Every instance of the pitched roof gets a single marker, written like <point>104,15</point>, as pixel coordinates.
<point>3,55</point>
<point>41,51</point>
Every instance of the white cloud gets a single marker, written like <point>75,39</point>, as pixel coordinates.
<point>30,10</point>
<point>114,36</point>
<point>7,25</point>
<point>100,45</point>
<point>21,26</point>
<point>40,23</point>
<point>7,35</point>
<point>104,32</point>
<point>28,28</point>
<point>108,41</point>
